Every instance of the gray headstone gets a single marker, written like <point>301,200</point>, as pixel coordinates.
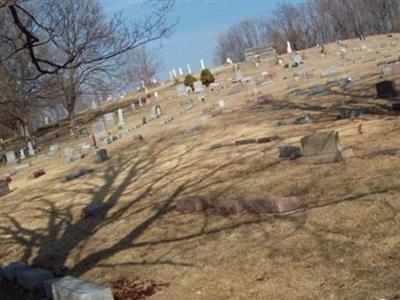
<point>53,148</point>
<point>198,86</point>
<point>181,89</point>
<point>22,166</point>
<point>11,158</point>
<point>31,149</point>
<point>99,130</point>
<point>69,153</point>
<point>101,155</point>
<point>298,59</point>
<point>156,111</point>
<point>70,288</point>
<point>109,120</point>
<point>9,270</point>
<point>121,121</point>
<point>33,279</point>
<point>93,209</point>
<point>289,152</point>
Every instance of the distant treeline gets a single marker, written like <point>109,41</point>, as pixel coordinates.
<point>307,24</point>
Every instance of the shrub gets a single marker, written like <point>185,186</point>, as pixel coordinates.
<point>207,77</point>
<point>189,80</point>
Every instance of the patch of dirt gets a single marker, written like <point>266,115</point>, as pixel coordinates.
<point>135,289</point>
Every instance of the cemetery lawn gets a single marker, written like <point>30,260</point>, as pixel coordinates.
<point>345,248</point>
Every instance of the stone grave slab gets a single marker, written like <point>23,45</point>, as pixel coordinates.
<point>11,158</point>
<point>181,90</point>
<point>289,152</point>
<point>34,278</point>
<point>93,209</point>
<point>198,86</point>
<point>386,89</point>
<point>101,155</point>
<point>156,111</point>
<point>22,166</point>
<point>9,270</point>
<point>323,147</point>
<point>284,204</point>
<point>100,130</point>
<point>121,120</point>
<point>109,120</point>
<point>71,288</point>
<point>77,174</point>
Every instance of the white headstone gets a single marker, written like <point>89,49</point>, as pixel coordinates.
<point>174,72</point>
<point>31,150</point>
<point>46,121</point>
<point>94,105</point>
<point>180,71</point>
<point>69,153</point>
<point>22,154</point>
<point>99,130</point>
<point>121,121</point>
<point>181,90</point>
<point>198,86</point>
<point>11,159</point>
<point>202,64</point>
<point>289,47</point>
<point>155,94</point>
<point>189,69</point>
<point>221,103</point>
<point>229,61</point>
<point>53,148</point>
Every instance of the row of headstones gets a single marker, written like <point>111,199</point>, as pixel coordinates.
<point>62,288</point>
<point>183,90</point>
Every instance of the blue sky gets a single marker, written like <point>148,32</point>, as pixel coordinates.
<point>200,21</point>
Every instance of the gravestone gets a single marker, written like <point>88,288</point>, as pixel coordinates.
<point>221,104</point>
<point>156,111</point>
<point>93,209</point>
<point>109,120</point>
<point>69,154</point>
<point>31,149</point>
<point>187,104</point>
<point>53,149</point>
<point>298,59</point>
<point>198,86</point>
<point>99,130</point>
<point>386,89</point>
<point>92,140</point>
<point>70,288</point>
<point>121,121</point>
<point>4,189</point>
<point>9,270</point>
<point>101,155</point>
<point>181,89</point>
<point>11,158</point>
<point>289,152</point>
<point>37,174</point>
<point>322,148</point>
<point>77,174</point>
<point>22,154</point>
<point>33,279</point>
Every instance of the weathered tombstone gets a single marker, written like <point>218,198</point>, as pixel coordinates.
<point>101,155</point>
<point>221,104</point>
<point>322,148</point>
<point>77,289</point>
<point>92,140</point>
<point>386,89</point>
<point>11,158</point>
<point>9,270</point>
<point>22,166</point>
<point>69,153</point>
<point>121,121</point>
<point>198,86</point>
<point>298,59</point>
<point>93,209</point>
<point>33,279</point>
<point>181,89</point>
<point>31,149</point>
<point>77,174</point>
<point>22,154</point>
<point>37,174</point>
<point>4,189</point>
<point>99,130</point>
<point>156,111</point>
<point>289,152</point>
<point>109,120</point>
<point>53,149</point>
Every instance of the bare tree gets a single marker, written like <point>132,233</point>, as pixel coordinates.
<point>142,66</point>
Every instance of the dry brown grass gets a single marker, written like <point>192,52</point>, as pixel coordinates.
<point>345,249</point>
